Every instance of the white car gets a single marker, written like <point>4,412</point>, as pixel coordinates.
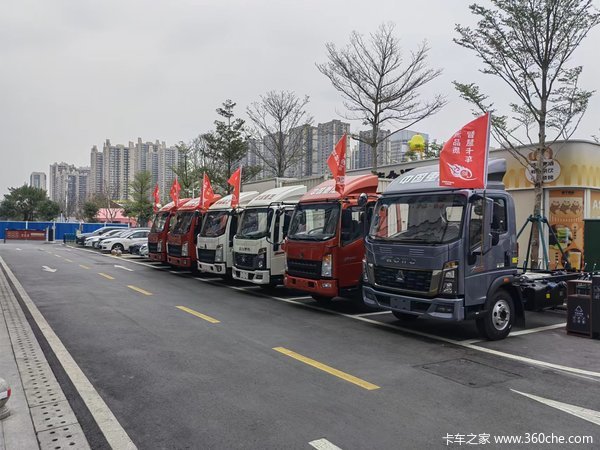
<point>123,242</point>
<point>94,240</point>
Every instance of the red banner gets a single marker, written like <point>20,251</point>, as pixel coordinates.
<point>236,181</point>
<point>174,193</point>
<point>463,159</point>
<point>337,164</point>
<point>208,194</point>
<point>156,197</point>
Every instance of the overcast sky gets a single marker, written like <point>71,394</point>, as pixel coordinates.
<point>74,73</point>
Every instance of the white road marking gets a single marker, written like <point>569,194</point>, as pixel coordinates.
<point>48,269</point>
<point>373,313</point>
<point>465,343</point>
<point>208,279</point>
<point>18,249</point>
<point>323,444</point>
<point>583,413</point>
<point>537,330</point>
<point>109,425</point>
<point>123,267</point>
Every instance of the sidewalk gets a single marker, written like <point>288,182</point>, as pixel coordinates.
<point>41,416</point>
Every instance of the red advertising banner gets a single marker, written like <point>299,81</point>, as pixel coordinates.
<point>208,194</point>
<point>25,235</point>
<point>463,159</point>
<point>236,181</point>
<point>156,197</point>
<point>337,164</point>
<point>174,193</point>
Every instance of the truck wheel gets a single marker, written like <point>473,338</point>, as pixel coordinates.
<point>499,318</point>
<point>322,300</point>
<point>405,317</point>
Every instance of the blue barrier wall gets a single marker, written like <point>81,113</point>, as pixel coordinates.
<point>61,227</point>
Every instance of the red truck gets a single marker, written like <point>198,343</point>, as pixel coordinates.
<point>184,229</point>
<point>325,244</point>
<point>157,239</point>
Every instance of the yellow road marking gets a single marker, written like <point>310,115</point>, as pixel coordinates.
<point>84,267</point>
<point>108,277</point>
<point>197,314</point>
<point>140,290</point>
<point>325,368</point>
<point>68,260</point>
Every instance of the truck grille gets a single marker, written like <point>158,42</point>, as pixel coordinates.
<point>152,247</point>
<point>304,269</point>
<point>206,256</point>
<point>410,280</point>
<point>174,250</point>
<point>245,260</point>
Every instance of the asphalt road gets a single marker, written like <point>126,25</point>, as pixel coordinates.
<point>189,362</point>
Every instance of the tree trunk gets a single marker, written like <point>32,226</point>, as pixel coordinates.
<point>374,133</point>
<point>538,188</point>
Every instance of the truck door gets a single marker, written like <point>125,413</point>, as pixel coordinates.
<point>482,270</point>
<point>352,247</point>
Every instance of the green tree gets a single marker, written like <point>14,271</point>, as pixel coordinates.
<point>90,210</point>
<point>187,169</point>
<point>379,86</point>
<point>28,203</point>
<point>528,45</point>
<point>140,205</point>
<point>227,146</point>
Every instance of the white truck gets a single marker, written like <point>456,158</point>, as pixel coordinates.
<point>214,247</point>
<point>263,225</point>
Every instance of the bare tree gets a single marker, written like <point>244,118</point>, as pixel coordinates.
<point>379,86</point>
<point>279,120</point>
<point>527,44</point>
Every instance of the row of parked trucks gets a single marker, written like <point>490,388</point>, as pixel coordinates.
<point>416,249</point>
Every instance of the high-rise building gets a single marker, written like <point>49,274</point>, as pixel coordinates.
<point>365,153</point>
<point>328,134</point>
<point>399,144</point>
<point>252,158</point>
<point>96,180</point>
<point>38,180</point>
<point>116,170</point>
<point>304,137</point>
<point>168,159</point>
<point>68,186</point>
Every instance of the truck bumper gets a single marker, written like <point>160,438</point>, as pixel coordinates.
<point>326,288</point>
<point>435,308</point>
<point>160,257</point>
<point>217,268</point>
<point>253,276</point>
<point>179,261</point>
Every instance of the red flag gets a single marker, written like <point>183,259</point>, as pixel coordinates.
<point>337,164</point>
<point>236,181</point>
<point>207,195</point>
<point>463,159</point>
<point>174,193</point>
<point>156,197</point>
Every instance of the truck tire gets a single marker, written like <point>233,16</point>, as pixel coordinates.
<point>322,300</point>
<point>499,318</point>
<point>405,317</point>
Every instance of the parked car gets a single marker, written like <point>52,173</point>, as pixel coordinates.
<point>92,241</point>
<point>134,249</point>
<point>123,242</point>
<point>80,239</point>
<point>144,250</point>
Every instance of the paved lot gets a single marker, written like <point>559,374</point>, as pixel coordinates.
<point>188,361</point>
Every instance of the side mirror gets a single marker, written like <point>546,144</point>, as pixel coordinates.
<point>487,239</point>
<point>363,199</point>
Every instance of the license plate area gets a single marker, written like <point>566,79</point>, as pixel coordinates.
<point>400,304</point>
<point>244,276</point>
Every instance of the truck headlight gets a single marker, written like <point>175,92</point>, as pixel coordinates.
<point>219,253</point>
<point>450,278</point>
<point>261,259</point>
<point>184,249</point>
<point>159,246</point>
<point>327,266</point>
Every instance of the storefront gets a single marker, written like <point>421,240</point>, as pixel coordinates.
<point>571,194</point>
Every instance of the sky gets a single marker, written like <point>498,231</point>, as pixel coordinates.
<point>74,73</point>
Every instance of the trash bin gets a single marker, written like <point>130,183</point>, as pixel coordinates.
<point>583,308</point>
<point>50,234</point>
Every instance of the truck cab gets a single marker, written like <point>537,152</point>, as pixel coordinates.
<point>325,243</point>
<point>181,239</point>
<point>215,241</point>
<point>258,256</point>
<point>157,239</point>
<point>443,253</point>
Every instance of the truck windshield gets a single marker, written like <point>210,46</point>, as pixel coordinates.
<point>183,220</point>
<point>314,222</point>
<point>425,219</point>
<point>214,224</point>
<point>255,223</point>
<point>158,224</point>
